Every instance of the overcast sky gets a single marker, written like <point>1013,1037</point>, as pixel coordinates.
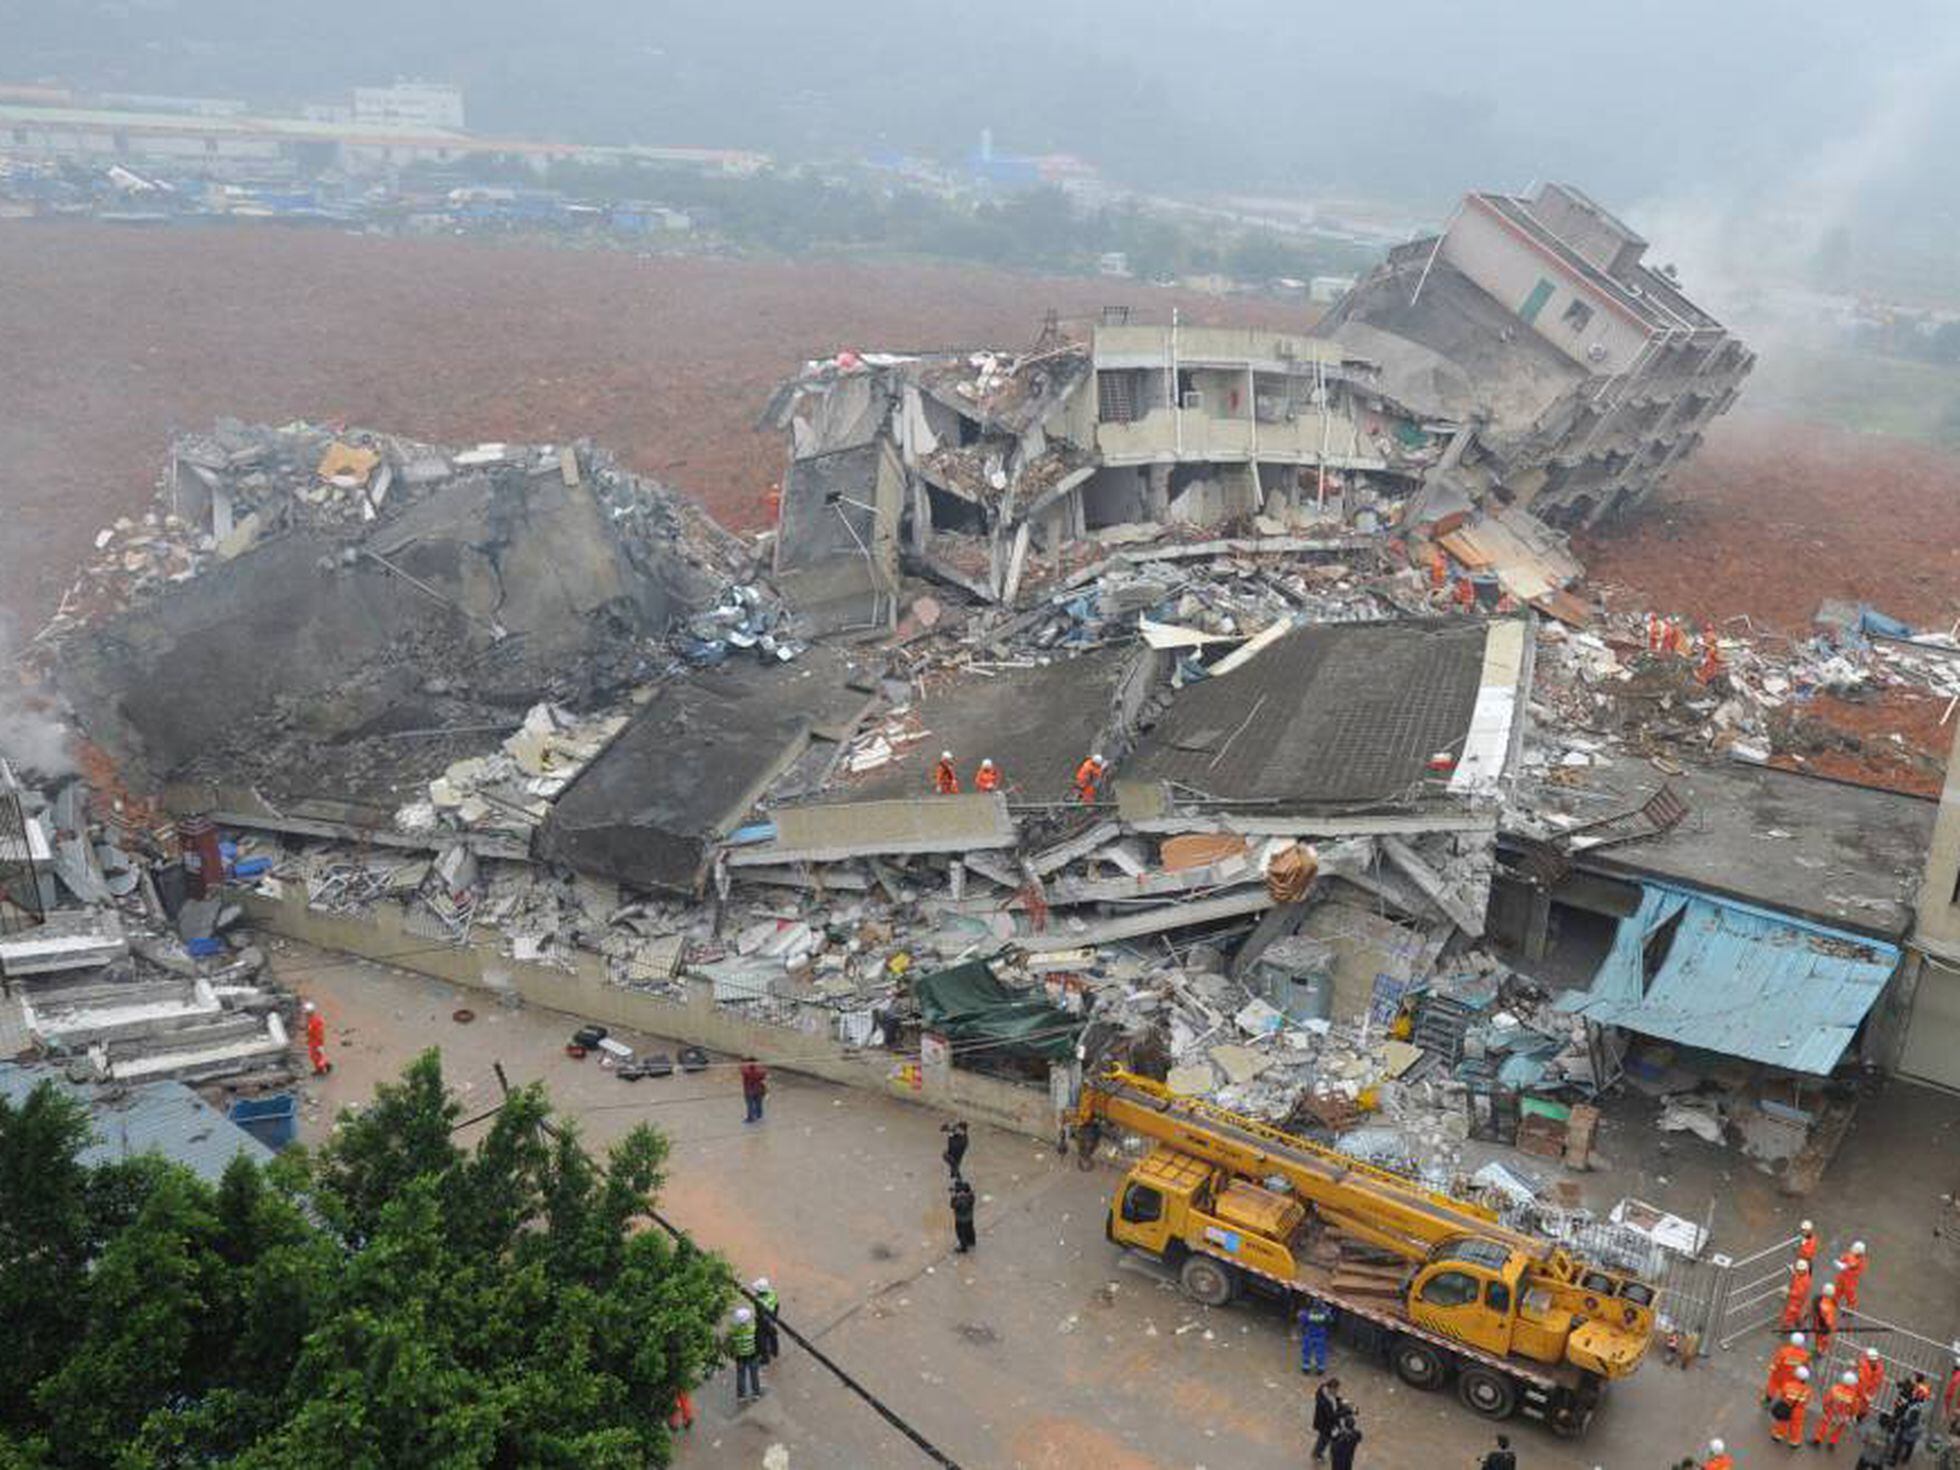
<point>1715,113</point>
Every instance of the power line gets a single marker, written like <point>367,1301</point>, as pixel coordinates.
<point>883,1410</point>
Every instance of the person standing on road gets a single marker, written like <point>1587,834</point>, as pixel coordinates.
<point>1347,1439</point>
<point>1500,1458</point>
<point>748,1359</point>
<point>316,1039</point>
<point>955,1148</point>
<point>1909,1419</point>
<point>1316,1321</point>
<point>755,1087</point>
<point>963,1203</point>
<point>769,1346</point>
<point>1719,1457</point>
<point>1328,1407</point>
<point>1875,1443</point>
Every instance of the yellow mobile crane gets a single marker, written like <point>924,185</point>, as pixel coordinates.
<point>1438,1283</point>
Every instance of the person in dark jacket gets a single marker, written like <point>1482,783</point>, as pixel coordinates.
<point>1347,1438</point>
<point>1328,1406</point>
<point>955,1149</point>
<point>963,1203</point>
<point>1500,1458</point>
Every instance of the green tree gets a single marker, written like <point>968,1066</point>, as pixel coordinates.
<point>46,1239</point>
<point>397,1301</point>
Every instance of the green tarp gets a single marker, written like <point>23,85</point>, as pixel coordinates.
<point>969,1006</point>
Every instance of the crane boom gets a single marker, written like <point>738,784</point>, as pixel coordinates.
<point>1388,1209</point>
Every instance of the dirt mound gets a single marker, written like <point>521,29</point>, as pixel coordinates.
<point>117,337</point>
<point>1772,517</point>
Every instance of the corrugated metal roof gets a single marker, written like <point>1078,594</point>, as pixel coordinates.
<point>1740,981</point>
<point>165,1118</point>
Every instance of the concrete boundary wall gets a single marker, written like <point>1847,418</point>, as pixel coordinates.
<point>587,993</point>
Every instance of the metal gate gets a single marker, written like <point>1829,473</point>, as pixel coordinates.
<point>1751,1290</point>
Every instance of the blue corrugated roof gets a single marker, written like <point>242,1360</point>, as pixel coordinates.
<point>150,1117</point>
<point>1741,981</point>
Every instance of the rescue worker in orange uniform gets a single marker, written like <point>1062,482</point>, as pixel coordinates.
<point>1088,778</point>
<point>316,1040</point>
<point>1719,1457</point>
<point>1824,1318</point>
<point>1840,1408</point>
<point>987,778</point>
<point>1464,595</point>
<point>1798,1297</point>
<point>1806,1243</point>
<point>945,780</point>
<point>1790,1357</point>
<point>1439,572</point>
<point>1710,668</point>
<point>1788,1426</point>
<point>1871,1379</point>
<point>1950,1399</point>
<point>1850,1266</point>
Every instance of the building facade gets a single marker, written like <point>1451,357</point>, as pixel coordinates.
<point>1595,375</point>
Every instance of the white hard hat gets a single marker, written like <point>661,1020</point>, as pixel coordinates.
<point>1872,1353</point>
<point>1097,757</point>
<point>761,1283</point>
<point>1716,1447</point>
<point>1857,1247</point>
<point>945,755</point>
<point>1830,1288</point>
<point>1805,1228</point>
<point>743,1314</point>
<point>986,760</point>
<point>1803,1375</point>
<point>1801,1265</point>
<point>306,1005</point>
<point>1796,1339</point>
<point>1849,1380</point>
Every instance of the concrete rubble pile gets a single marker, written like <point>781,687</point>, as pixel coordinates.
<point>1620,684</point>
<point>118,965</point>
<point>423,594</point>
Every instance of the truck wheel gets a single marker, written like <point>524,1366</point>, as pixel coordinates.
<point>1419,1364</point>
<point>1210,1282</point>
<point>1490,1394</point>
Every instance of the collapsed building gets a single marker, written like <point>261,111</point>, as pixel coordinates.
<point>1525,359</point>
<point>1379,854</point>
<point>1588,374</point>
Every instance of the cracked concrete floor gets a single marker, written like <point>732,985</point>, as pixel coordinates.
<point>1044,1349</point>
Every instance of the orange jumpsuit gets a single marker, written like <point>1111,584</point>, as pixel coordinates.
<point>945,780</point>
<point>1825,1317</point>
<point>1088,776</point>
<point>1782,1368</point>
<point>987,778</point>
<point>1849,1269</point>
<point>1950,1400</point>
<point>1796,1393</point>
<point>1723,1461</point>
<point>1871,1378</point>
<point>1840,1408</point>
<point>1796,1300</point>
<point>1807,1248</point>
<point>316,1043</point>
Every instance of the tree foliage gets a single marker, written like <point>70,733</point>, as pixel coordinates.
<point>394,1300</point>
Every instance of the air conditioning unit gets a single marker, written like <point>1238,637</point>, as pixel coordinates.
<point>1193,399</point>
